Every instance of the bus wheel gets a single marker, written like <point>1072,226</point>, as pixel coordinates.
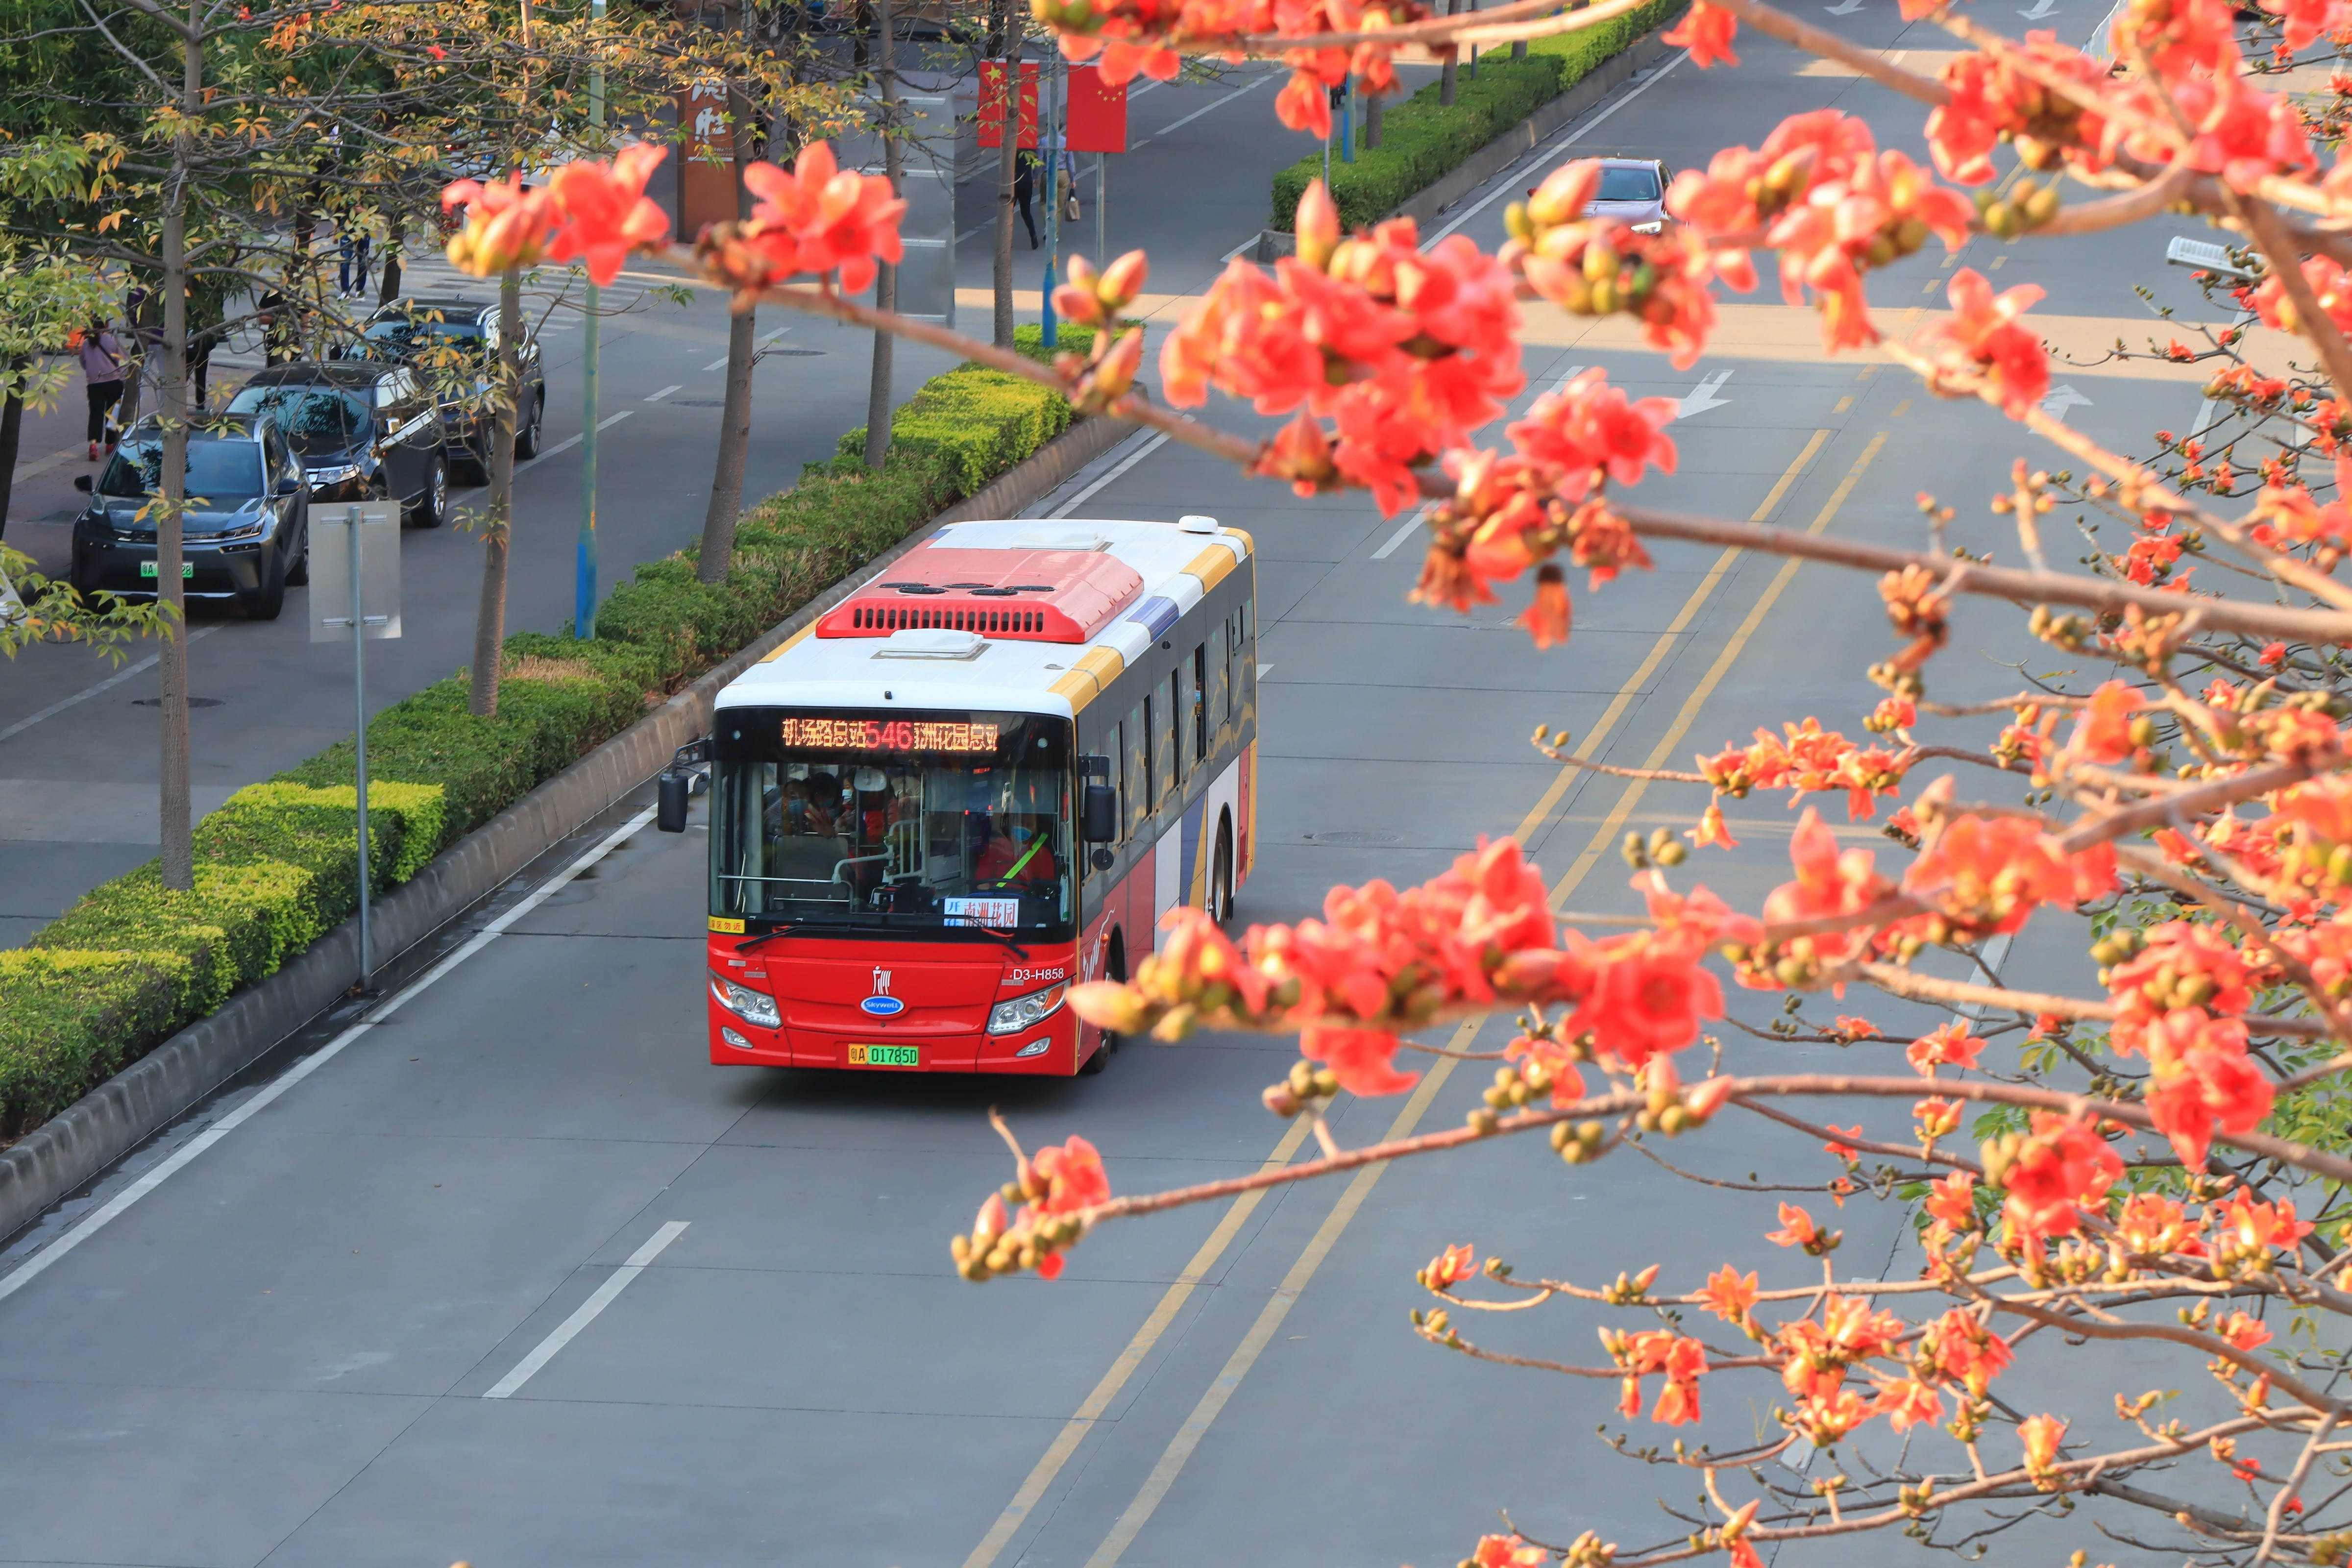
<point>1220,876</point>
<point>1115,969</point>
<point>1101,1059</point>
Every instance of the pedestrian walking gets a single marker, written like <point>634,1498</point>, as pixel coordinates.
<point>1024,187</point>
<point>101,369</point>
<point>352,265</point>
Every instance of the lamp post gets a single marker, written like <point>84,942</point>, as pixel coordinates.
<point>583,596</point>
<point>1049,119</point>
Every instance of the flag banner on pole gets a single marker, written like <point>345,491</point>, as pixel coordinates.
<point>1097,113</point>
<point>992,104</point>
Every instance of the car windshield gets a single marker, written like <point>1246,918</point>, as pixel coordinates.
<point>315,418</point>
<point>217,470</point>
<point>1621,184</point>
<point>400,337</point>
<point>923,822</point>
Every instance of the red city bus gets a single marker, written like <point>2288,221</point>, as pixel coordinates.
<point>982,776</point>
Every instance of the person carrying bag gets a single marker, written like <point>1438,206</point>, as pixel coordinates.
<point>101,369</point>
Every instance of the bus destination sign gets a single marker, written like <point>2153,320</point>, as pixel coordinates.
<point>854,734</point>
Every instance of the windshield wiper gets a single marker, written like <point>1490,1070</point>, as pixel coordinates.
<point>1019,952</point>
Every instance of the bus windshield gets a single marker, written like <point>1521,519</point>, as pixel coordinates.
<point>918,823</point>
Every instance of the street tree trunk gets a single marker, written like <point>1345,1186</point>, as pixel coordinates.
<point>1007,166</point>
<point>176,825</point>
<point>886,284</point>
<point>490,620</point>
<point>12,429</point>
<point>1447,78</point>
<point>735,416</point>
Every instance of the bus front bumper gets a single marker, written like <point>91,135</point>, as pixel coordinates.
<point>1050,1049</point>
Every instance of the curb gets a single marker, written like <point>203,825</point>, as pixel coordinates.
<point>80,1142</point>
<point>1427,204</point>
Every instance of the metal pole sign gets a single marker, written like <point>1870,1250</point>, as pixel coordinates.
<point>357,552</point>
<point>583,587</point>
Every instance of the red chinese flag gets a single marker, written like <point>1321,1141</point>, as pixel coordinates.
<point>1097,113</point>
<point>992,104</point>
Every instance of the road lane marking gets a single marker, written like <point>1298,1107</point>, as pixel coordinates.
<point>1074,1431</point>
<point>1196,114</point>
<point>1158,441</point>
<point>588,1310</point>
<point>569,442</point>
<point>86,693</point>
<point>1618,704</point>
<point>1269,1319</point>
<point>1510,178</point>
<point>757,345</point>
<point>664,392</point>
<point>1419,517</point>
<point>1688,714</point>
<point>33,1267</point>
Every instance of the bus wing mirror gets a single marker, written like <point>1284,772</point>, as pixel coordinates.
<point>1101,819</point>
<point>679,784</point>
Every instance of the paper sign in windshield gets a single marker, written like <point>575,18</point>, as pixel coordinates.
<point>1005,913</point>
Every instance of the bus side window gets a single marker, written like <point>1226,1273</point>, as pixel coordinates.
<point>1196,701</point>
<point>1167,760</point>
<point>1221,676</point>
<point>1136,780</point>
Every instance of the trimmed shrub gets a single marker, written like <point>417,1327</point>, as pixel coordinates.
<point>276,865</point>
<point>1420,141</point>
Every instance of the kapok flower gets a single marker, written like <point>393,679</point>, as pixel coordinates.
<point>1798,1229</point>
<point>1982,337</point>
<point>1988,873</point>
<point>819,217</point>
<point>2041,1434</point>
<point>1451,1267</point>
<point>1952,1200</point>
<point>2154,1226</point>
<point>1958,1348</point>
<point>607,216</point>
<point>1508,1552</point>
<point>1949,1045</point>
<point>1648,996</point>
<point>2202,1079</point>
<point>1730,1295</point>
<point>508,224</point>
<point>1907,1403</point>
<point>1706,31</point>
<point>2050,1173</point>
<point>1829,884</point>
<point>1589,428</point>
<point>2103,727</point>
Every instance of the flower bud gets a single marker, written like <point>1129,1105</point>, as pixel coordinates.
<point>1123,280</point>
<point>1317,224</point>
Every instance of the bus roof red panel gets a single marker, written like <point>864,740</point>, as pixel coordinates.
<point>1034,595</point>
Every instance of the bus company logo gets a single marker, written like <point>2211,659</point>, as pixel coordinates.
<point>882,1005</point>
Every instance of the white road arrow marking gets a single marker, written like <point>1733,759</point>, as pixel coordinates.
<point>1846,9</point>
<point>2041,8</point>
<point>2062,398</point>
<point>1703,397</point>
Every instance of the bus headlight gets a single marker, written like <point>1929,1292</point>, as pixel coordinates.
<point>1011,1018</point>
<point>752,1007</point>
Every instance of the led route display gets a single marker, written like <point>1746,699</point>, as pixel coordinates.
<point>886,735</point>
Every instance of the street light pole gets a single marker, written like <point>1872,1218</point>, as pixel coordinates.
<point>584,596</point>
<point>1053,151</point>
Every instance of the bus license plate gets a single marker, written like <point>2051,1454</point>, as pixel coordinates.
<point>885,1055</point>
<point>147,569</point>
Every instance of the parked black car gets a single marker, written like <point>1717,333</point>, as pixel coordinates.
<point>363,431</point>
<point>246,532</point>
<point>453,344</point>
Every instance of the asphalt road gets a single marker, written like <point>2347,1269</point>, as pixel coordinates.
<point>287,1350</point>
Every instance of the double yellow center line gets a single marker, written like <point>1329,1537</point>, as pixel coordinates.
<point>1180,1448</point>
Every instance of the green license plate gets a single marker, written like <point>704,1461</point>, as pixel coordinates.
<point>885,1055</point>
<point>147,569</point>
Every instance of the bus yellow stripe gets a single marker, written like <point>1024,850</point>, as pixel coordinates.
<point>789,644</point>
<point>1090,677</point>
<point>1211,566</point>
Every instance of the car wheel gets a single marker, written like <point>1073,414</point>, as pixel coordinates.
<point>298,575</point>
<point>431,507</point>
<point>527,438</point>
<point>265,603</point>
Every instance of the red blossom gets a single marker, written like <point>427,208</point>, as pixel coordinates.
<point>607,214</point>
<point>1988,873</point>
<point>2052,1173</point>
<point>2103,727</point>
<point>1451,1267</point>
<point>1982,336</point>
<point>1950,1045</point>
<point>1706,31</point>
<point>820,218</point>
<point>1951,1201</point>
<point>1730,1295</point>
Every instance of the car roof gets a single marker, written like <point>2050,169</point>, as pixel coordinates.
<point>208,426</point>
<point>446,305</point>
<point>313,372</point>
<point>1629,163</point>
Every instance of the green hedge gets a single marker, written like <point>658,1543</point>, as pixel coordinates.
<point>1420,141</point>
<point>133,960</point>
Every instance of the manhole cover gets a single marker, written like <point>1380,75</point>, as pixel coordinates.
<point>193,701</point>
<point>1353,835</point>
